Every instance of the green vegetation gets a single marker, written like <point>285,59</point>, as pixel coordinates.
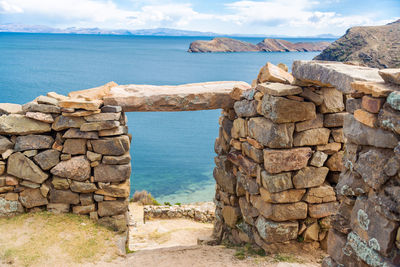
<point>167,204</point>
<point>286,258</point>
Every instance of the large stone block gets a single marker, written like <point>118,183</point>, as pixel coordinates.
<point>30,142</point>
<point>245,108</point>
<point>21,125</point>
<point>225,179</point>
<point>118,190</point>
<point>372,104</point>
<point>112,146</point>
<point>80,103</point>
<point>323,193</point>
<point>272,73</point>
<point>85,209</point>
<point>248,211</point>
<point>247,164</point>
<point>287,196</point>
<point>239,128</point>
<point>24,168</point>
<point>314,97</point>
<point>351,184</point>
<point>117,160</point>
<point>110,208</point>
<point>74,146</point>
<point>248,183</point>
<point>271,134</point>
<point>10,207</point>
<point>281,212</point>
<point>63,196</point>
<point>62,123</point>
<point>76,133</point>
<point>76,168</point>
<point>372,227</point>
<point>276,161</point>
<point>371,165</point>
<point>278,89</point>
<point>389,119</point>
<point>112,173</point>
<point>333,74</point>
<point>360,134</point>
<point>318,122</point>
<point>335,162</point>
<point>390,75</point>
<point>334,119</point>
<point>107,116</point>
<point>282,110</point>
<point>98,126</point>
<point>5,144</point>
<point>231,215</point>
<point>310,177</point>
<point>30,198</point>
<point>35,107</point>
<point>252,152</point>
<point>82,187</point>
<point>276,232</point>
<point>312,137</point>
<point>322,210</point>
<point>333,100</point>
<point>47,159</point>
<point>276,182</point>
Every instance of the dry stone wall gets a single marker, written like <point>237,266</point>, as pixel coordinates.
<point>311,160</point>
<point>279,155</point>
<point>64,155</point>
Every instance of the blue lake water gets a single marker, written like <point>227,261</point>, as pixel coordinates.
<point>172,151</point>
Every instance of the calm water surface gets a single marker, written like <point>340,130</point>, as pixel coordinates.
<point>172,151</point>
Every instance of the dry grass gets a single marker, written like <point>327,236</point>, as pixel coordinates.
<point>41,238</point>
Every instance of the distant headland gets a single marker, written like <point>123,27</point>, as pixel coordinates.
<point>223,44</point>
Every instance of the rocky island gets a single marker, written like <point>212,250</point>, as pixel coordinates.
<point>374,46</point>
<point>223,44</point>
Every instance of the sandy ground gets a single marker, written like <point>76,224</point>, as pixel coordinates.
<point>69,240</point>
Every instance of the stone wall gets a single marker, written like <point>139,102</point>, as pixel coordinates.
<point>201,212</point>
<point>64,155</point>
<point>365,231</point>
<point>287,171</point>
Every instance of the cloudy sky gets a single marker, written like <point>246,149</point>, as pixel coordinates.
<point>269,17</point>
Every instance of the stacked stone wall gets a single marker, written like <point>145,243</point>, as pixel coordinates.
<point>365,230</point>
<point>279,157</point>
<point>64,155</point>
<point>313,159</point>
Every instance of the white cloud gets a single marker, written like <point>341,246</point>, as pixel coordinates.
<point>285,17</point>
<point>7,8</point>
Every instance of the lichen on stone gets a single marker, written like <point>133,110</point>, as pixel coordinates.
<point>363,220</point>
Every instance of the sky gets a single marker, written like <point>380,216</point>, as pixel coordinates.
<point>268,17</point>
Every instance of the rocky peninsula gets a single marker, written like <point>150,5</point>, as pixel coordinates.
<point>374,46</point>
<point>223,44</point>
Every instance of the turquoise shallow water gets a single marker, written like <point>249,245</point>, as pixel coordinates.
<point>172,151</point>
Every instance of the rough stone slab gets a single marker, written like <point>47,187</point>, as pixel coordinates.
<point>390,75</point>
<point>82,187</point>
<point>318,122</point>
<point>70,112</point>
<point>63,123</point>
<point>273,232</point>
<point>333,74</point>
<point>24,168</point>
<point>287,196</point>
<point>376,89</point>
<point>64,196</point>
<point>272,73</point>
<point>394,100</point>
<point>77,168</point>
<point>372,104</point>
<point>47,159</point>
<point>275,183</point>
<point>322,210</point>
<point>281,212</point>
<point>112,173</point>
<point>281,110</point>
<point>74,146</point>
<point>35,107</point>
<point>276,161</point>
<point>312,137</point>
<point>111,146</point>
<point>245,108</point>
<point>10,108</point>
<point>110,208</point>
<point>39,116</point>
<point>30,142</point>
<point>279,89</point>
<point>119,190</point>
<point>360,134</point>
<point>32,198</point>
<point>310,177</point>
<point>81,104</point>
<point>120,130</point>
<point>5,144</point>
<point>109,116</point>
<point>76,133</point>
<point>117,160</point>
<point>195,96</point>
<point>9,207</point>
<point>271,134</point>
<point>98,126</point>
<point>21,125</point>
